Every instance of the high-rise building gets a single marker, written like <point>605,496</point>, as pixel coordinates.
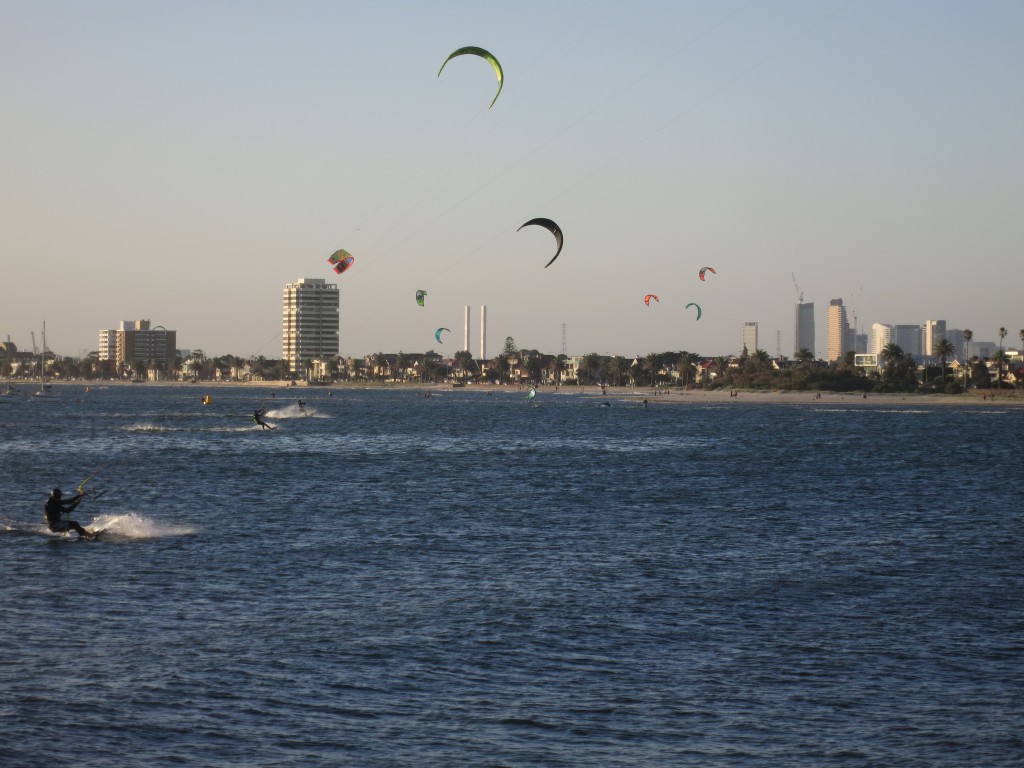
<point>804,330</point>
<point>135,341</point>
<point>310,324</point>
<point>483,333</point>
<point>107,349</point>
<point>908,338</point>
<point>931,332</point>
<point>882,334</point>
<point>838,330</point>
<point>955,336</point>
<point>750,337</point>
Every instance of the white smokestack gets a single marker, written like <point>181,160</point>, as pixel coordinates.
<point>483,333</point>
<point>465,331</point>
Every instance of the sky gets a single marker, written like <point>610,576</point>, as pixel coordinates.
<point>182,161</point>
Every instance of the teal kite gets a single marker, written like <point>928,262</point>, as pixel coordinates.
<point>437,333</point>
<point>692,304</point>
<point>483,54</point>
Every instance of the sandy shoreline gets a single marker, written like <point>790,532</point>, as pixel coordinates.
<point>629,394</point>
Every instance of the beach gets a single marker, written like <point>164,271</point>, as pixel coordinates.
<point>653,395</point>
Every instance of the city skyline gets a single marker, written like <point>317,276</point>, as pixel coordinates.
<point>760,140</point>
<point>910,338</point>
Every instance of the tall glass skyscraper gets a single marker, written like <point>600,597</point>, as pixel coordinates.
<point>804,330</point>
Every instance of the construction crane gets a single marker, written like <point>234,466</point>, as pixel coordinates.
<point>799,293</point>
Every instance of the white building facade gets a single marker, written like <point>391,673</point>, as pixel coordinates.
<point>750,337</point>
<point>310,323</point>
<point>881,335</point>
<point>931,332</point>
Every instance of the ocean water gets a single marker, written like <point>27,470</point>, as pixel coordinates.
<point>475,579</point>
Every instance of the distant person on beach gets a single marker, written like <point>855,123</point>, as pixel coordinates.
<point>258,415</point>
<point>56,508</point>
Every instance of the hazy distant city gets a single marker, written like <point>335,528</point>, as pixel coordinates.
<point>138,350</point>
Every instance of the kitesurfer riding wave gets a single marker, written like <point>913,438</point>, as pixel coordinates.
<point>56,508</point>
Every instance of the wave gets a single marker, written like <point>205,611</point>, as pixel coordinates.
<point>132,525</point>
<point>125,526</point>
<point>146,427</point>
<point>294,412</point>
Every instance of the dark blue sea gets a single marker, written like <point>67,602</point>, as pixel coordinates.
<point>475,579</point>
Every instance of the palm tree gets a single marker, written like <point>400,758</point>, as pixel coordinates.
<point>652,364</point>
<point>1002,358</point>
<point>687,365</point>
<point>501,365</point>
<point>893,358</point>
<point>897,366</point>
<point>380,362</point>
<point>357,365</point>
<point>616,366</point>
<point>762,360</point>
<point>559,368</point>
<point>943,349</point>
<point>968,335</point>
<point>591,364</point>
<point>804,356</point>
<point>463,361</point>
<point>999,358</point>
<point>891,353</point>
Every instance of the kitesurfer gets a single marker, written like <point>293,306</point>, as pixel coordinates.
<point>56,508</point>
<point>302,408</point>
<point>258,415</point>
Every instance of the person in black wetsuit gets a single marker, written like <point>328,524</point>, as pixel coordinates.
<point>258,415</point>
<point>56,508</point>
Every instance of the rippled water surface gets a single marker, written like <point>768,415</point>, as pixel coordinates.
<point>474,579</point>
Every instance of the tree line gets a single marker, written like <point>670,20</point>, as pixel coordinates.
<point>897,371</point>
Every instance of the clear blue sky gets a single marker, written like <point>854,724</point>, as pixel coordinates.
<point>182,161</point>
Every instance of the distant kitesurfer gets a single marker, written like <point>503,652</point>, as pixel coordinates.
<point>302,408</point>
<point>56,508</point>
<point>258,415</point>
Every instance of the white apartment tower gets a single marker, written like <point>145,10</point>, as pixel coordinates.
<point>931,332</point>
<point>310,322</point>
<point>882,335</point>
<point>750,337</point>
